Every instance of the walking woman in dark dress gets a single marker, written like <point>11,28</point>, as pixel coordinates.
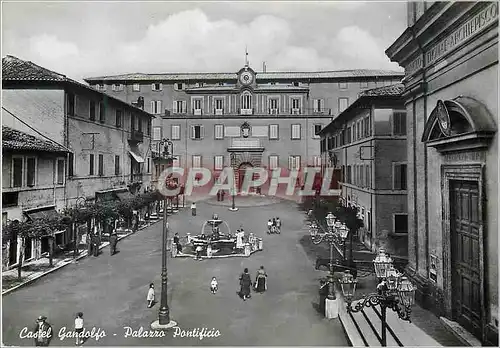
<point>245,284</point>
<point>261,280</point>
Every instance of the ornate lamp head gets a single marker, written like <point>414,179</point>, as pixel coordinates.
<point>348,284</point>
<point>330,220</point>
<point>392,278</point>
<point>382,263</point>
<point>344,231</point>
<point>406,291</point>
<point>313,230</point>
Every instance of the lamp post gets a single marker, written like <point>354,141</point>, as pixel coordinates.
<point>233,187</point>
<point>394,291</point>
<point>164,321</point>
<point>329,237</point>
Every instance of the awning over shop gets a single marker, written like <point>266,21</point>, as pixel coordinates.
<point>47,212</point>
<point>136,157</point>
<point>123,196</point>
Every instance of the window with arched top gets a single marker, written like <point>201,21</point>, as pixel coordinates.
<point>459,123</point>
<point>246,100</point>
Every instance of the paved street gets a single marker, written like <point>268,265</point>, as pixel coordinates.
<point>111,291</point>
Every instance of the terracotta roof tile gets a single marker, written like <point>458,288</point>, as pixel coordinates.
<point>15,69</point>
<point>394,90</point>
<point>13,139</point>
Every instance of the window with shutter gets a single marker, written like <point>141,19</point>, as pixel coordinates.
<point>273,132</point>
<point>17,171</point>
<point>175,110</point>
<point>71,164</point>
<point>399,123</point>
<point>343,104</point>
<point>101,165</point>
<point>273,162</point>
<point>91,164</point>
<point>184,106</point>
<point>219,131</point>
<point>118,114</point>
<point>156,133</point>
<point>30,171</point>
<point>197,132</point>
<point>176,132</point>
<point>117,165</point>
<point>196,161</point>
<point>92,110</point>
<point>102,112</point>
<point>316,130</point>
<point>297,162</point>
<point>399,176</point>
<point>60,164</point>
<point>218,162</point>
<point>71,104</point>
<point>295,131</point>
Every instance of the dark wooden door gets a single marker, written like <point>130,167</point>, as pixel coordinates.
<point>466,275</point>
<point>241,174</point>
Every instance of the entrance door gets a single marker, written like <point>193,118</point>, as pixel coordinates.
<point>466,276</point>
<point>241,174</point>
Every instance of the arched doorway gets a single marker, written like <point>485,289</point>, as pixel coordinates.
<point>241,173</point>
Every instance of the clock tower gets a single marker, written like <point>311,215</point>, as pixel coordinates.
<point>246,77</point>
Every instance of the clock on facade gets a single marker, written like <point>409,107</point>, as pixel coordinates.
<point>246,78</point>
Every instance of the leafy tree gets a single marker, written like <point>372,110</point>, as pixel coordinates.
<point>42,227</point>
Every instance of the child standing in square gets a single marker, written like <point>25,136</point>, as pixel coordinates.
<point>151,295</point>
<point>214,286</point>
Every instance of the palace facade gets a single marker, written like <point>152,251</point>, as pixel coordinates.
<point>246,118</point>
<point>450,55</point>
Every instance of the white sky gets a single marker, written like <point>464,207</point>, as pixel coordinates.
<point>82,39</point>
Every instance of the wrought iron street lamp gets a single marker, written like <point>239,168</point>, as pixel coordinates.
<point>343,232</point>
<point>330,237</point>
<point>233,188</point>
<point>164,321</point>
<point>394,291</point>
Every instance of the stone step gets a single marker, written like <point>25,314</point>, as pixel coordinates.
<point>461,333</point>
<point>376,321</point>
<point>408,333</point>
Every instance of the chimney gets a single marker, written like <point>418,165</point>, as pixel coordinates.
<point>263,66</point>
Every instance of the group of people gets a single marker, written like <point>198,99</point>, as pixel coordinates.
<point>274,225</point>
<point>43,333</point>
<point>260,284</point>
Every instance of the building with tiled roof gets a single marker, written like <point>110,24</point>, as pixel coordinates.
<point>15,140</point>
<point>56,129</point>
<point>33,181</point>
<point>257,118</point>
<point>365,147</point>
<point>15,71</point>
<point>361,73</point>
